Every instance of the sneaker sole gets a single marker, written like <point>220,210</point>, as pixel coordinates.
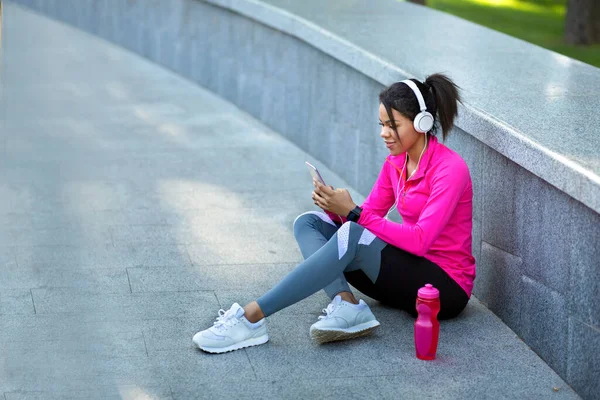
<point>246,343</point>
<point>331,335</point>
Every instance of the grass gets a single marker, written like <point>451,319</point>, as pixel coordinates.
<point>536,21</point>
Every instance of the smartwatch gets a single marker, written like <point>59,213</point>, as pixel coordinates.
<point>354,215</point>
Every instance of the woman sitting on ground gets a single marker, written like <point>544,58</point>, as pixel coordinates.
<point>430,186</point>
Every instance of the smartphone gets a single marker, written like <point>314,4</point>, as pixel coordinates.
<point>314,172</point>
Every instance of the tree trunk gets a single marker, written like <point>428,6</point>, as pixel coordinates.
<point>0,24</point>
<point>417,1</point>
<point>582,22</point>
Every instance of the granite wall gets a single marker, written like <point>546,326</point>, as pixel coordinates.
<point>537,248</point>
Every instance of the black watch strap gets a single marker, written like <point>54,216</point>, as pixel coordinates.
<point>354,215</point>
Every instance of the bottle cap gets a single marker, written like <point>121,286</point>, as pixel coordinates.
<point>428,292</point>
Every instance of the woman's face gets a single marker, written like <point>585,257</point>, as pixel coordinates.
<point>407,136</point>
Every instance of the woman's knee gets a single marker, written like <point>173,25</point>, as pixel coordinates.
<point>347,226</point>
<point>310,219</point>
<point>349,236</point>
<point>351,232</point>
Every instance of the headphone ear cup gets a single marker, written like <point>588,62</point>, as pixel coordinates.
<point>423,122</point>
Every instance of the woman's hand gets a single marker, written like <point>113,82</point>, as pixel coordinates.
<point>337,201</point>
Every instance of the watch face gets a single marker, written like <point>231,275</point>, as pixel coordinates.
<point>354,214</point>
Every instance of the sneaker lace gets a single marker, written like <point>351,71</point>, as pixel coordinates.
<point>328,311</point>
<point>225,319</point>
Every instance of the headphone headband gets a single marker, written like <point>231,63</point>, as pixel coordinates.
<point>417,92</point>
<point>423,121</point>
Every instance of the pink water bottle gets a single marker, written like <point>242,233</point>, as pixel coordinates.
<point>427,327</point>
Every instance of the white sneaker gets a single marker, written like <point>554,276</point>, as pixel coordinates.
<point>231,331</point>
<point>343,320</point>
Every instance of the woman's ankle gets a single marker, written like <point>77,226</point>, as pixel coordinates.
<point>253,313</point>
<point>349,297</point>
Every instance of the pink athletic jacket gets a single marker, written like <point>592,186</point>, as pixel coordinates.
<point>436,205</point>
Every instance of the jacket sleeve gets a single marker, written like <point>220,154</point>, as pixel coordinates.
<point>447,185</point>
<point>379,200</point>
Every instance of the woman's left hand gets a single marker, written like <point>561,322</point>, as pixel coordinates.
<point>337,201</point>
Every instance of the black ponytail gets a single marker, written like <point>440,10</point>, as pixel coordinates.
<point>446,96</point>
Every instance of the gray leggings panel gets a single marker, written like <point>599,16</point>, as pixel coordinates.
<point>328,252</point>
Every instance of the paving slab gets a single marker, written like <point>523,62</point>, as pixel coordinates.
<point>16,301</point>
<point>125,392</point>
<point>97,280</point>
<point>104,256</point>
<point>74,372</point>
<point>323,388</point>
<point>206,277</point>
<point>110,305</point>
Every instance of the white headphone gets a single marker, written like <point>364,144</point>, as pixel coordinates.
<point>423,122</point>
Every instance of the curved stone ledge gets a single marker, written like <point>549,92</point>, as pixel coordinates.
<point>563,149</point>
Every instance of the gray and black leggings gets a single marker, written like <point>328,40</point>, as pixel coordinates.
<point>335,255</point>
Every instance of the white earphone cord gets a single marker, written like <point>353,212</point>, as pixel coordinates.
<point>402,174</point>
